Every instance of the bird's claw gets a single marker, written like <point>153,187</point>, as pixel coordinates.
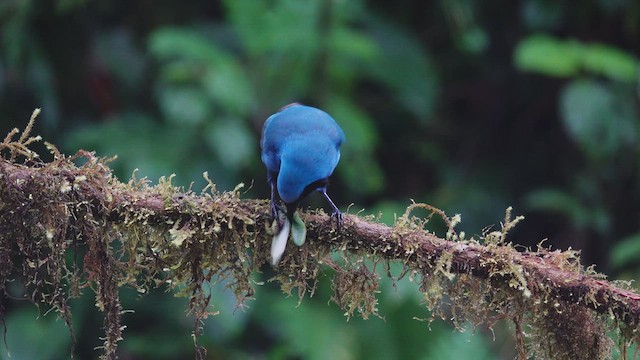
<point>276,210</point>
<point>339,216</point>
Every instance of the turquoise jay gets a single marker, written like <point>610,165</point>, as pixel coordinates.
<point>300,148</point>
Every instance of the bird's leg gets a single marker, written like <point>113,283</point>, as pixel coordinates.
<point>276,209</point>
<point>274,205</point>
<point>336,212</point>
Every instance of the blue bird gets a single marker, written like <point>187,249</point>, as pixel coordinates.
<point>300,148</point>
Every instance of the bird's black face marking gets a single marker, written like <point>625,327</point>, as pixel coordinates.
<point>291,208</point>
<point>276,209</point>
<point>322,183</point>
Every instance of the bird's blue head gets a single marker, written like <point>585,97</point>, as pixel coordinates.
<point>301,146</point>
<point>293,177</point>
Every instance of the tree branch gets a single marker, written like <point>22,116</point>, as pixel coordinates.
<point>169,236</point>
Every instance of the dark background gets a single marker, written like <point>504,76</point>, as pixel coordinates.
<point>468,105</point>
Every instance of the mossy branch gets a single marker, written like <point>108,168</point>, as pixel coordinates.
<point>169,237</point>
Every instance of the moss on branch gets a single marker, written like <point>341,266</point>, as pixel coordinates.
<point>138,235</point>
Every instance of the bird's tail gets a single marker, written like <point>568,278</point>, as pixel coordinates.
<point>293,224</point>
<point>279,242</point>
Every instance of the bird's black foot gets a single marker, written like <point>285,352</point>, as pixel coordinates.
<point>339,216</point>
<point>276,210</point>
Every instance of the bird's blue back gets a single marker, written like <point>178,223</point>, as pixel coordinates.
<point>300,145</point>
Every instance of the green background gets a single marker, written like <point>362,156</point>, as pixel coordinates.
<point>468,105</point>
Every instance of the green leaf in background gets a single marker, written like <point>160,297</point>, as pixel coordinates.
<point>118,52</point>
<point>626,251</point>
<point>20,52</point>
<point>184,105</point>
<point>189,57</point>
<point>281,41</point>
<point>595,119</point>
<point>167,44</point>
<point>25,330</point>
<point>558,201</point>
<point>139,143</point>
<point>539,15</point>
<point>473,39</point>
<point>228,88</point>
<point>594,217</point>
<point>17,35</point>
<point>414,85</point>
<point>466,345</point>
<point>350,43</point>
<point>387,211</point>
<point>261,25</point>
<point>363,136</point>
<point>314,330</point>
<point>363,173</point>
<point>308,330</point>
<point>231,320</point>
<point>145,337</point>
<point>351,51</point>
<point>398,292</point>
<point>231,141</point>
<point>548,56</point>
<point>563,58</point>
<point>610,62</point>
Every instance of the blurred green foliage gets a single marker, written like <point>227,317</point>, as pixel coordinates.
<point>469,105</point>
<point>599,108</point>
<point>550,56</point>
<point>26,339</point>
